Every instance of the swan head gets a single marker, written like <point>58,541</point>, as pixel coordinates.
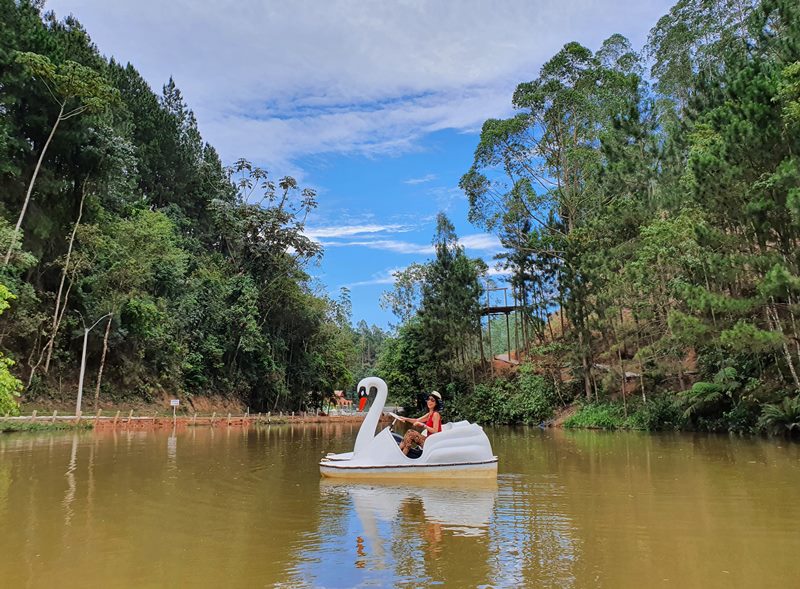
<point>372,382</point>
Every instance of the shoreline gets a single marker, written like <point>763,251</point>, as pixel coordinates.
<point>118,421</point>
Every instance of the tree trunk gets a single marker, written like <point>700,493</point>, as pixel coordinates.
<point>102,362</point>
<point>621,365</point>
<point>547,317</point>
<point>786,353</point>
<point>30,187</point>
<point>45,348</point>
<point>56,318</point>
<point>480,342</point>
<point>587,381</point>
<point>795,335</point>
<point>624,381</point>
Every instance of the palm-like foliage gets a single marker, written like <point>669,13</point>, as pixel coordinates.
<point>701,398</point>
<point>710,397</point>
<point>781,418</point>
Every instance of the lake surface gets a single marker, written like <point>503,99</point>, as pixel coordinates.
<point>246,508</point>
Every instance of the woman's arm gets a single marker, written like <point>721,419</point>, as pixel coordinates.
<point>418,419</point>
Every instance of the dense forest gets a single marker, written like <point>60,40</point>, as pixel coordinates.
<point>649,205</point>
<point>648,201</point>
<point>116,213</point>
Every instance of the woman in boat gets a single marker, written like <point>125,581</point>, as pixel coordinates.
<point>431,422</point>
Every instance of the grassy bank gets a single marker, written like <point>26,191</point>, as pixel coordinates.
<point>10,426</point>
<point>666,413</point>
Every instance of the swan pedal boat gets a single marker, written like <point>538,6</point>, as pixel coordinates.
<point>460,450</point>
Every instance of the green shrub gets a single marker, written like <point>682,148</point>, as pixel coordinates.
<point>660,413</point>
<point>534,400</point>
<point>703,399</point>
<point>10,389</point>
<point>742,418</point>
<point>597,416</point>
<point>781,418</point>
<point>488,403</point>
<point>10,386</point>
<point>526,398</point>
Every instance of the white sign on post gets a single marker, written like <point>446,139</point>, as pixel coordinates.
<point>174,404</point>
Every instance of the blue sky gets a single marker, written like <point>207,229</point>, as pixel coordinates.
<point>375,104</point>
<point>377,215</point>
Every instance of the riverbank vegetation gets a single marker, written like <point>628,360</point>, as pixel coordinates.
<point>650,200</point>
<point>113,208</point>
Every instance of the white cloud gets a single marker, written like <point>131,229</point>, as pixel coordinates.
<point>422,180</point>
<point>391,245</point>
<point>388,130</point>
<point>387,276</point>
<point>497,271</point>
<point>382,277</point>
<point>445,196</point>
<point>480,242</point>
<point>351,230</point>
<point>275,81</point>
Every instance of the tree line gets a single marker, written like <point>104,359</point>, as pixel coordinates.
<point>113,208</point>
<point>651,201</point>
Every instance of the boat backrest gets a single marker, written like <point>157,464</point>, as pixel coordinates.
<point>454,425</point>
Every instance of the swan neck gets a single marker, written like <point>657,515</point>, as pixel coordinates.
<point>367,431</point>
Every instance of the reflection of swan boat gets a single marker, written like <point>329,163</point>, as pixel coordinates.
<point>460,450</point>
<point>464,506</point>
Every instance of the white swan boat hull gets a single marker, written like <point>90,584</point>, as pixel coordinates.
<point>405,471</point>
<point>460,450</point>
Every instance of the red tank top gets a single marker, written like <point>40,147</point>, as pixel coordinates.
<point>429,423</point>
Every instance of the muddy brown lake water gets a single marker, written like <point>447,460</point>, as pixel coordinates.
<point>246,508</point>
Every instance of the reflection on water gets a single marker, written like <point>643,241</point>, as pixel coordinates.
<point>235,508</point>
<point>69,496</point>
<point>464,506</point>
<point>398,528</point>
<point>391,534</point>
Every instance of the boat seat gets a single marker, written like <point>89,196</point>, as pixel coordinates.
<point>412,452</point>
